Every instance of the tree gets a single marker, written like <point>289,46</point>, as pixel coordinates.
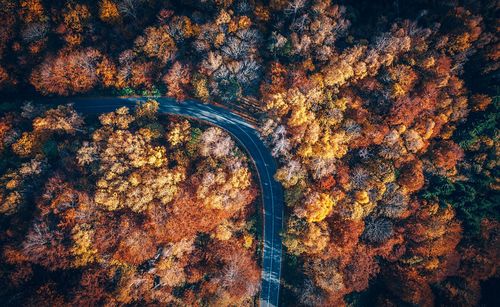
<point>75,19</point>
<point>290,174</point>
<point>4,77</point>
<point>133,173</point>
<point>411,176</point>
<point>16,183</point>
<point>67,73</point>
<point>109,11</point>
<point>134,72</point>
<point>317,207</point>
<point>83,250</point>
<point>216,143</point>
<point>360,270</point>
<point>128,243</point>
<point>433,234</point>
<point>44,246</point>
<point>129,7</point>
<point>410,287</point>
<point>34,25</point>
<point>179,133</point>
<point>446,154</point>
<point>177,80</point>
<point>378,230</point>
<point>229,49</point>
<point>316,28</point>
<point>157,43</point>
<point>303,238</point>
<point>63,118</point>
<point>238,279</point>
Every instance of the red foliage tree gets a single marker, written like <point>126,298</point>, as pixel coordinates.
<point>446,154</point>
<point>237,278</point>
<point>67,73</point>
<point>124,239</point>
<point>412,176</point>
<point>360,269</point>
<point>177,80</point>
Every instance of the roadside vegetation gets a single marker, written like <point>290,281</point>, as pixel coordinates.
<point>382,115</point>
<point>128,208</point>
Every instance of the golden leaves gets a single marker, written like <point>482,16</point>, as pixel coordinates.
<point>223,18</point>
<point>82,249</point>
<point>157,43</point>
<point>119,118</point>
<point>133,172</point>
<point>108,11</point>
<point>63,118</point>
<point>317,207</point>
<point>200,88</point>
<point>32,10</point>
<point>25,145</point>
<point>179,133</point>
<point>74,19</point>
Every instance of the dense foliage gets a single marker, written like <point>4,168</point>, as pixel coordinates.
<point>383,116</point>
<point>132,209</point>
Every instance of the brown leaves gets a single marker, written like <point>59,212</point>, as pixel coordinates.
<point>177,80</point>
<point>412,176</point>
<point>63,119</point>
<point>238,279</point>
<point>67,73</point>
<point>4,77</point>
<point>446,155</point>
<point>157,43</point>
<point>128,243</point>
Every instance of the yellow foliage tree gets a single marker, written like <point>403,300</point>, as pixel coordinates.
<point>157,43</point>
<point>179,133</point>
<point>310,238</point>
<point>82,249</point>
<point>133,172</point>
<point>317,207</point>
<point>108,11</point>
<point>24,146</point>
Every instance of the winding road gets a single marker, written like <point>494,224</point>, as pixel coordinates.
<point>248,137</point>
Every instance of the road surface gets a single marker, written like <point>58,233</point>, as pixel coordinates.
<point>248,137</point>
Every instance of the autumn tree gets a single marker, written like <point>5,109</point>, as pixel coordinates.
<point>177,80</point>
<point>446,155</point>
<point>229,48</point>
<point>109,11</point>
<point>130,165</point>
<point>237,280</point>
<point>412,177</point>
<point>68,73</point>
<point>157,43</point>
<point>75,23</point>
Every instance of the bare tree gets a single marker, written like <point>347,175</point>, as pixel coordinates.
<point>236,48</point>
<point>38,236</point>
<point>360,178</point>
<point>34,31</point>
<point>294,7</point>
<point>129,7</point>
<point>281,147</point>
<point>293,167</point>
<point>215,142</point>
<point>248,71</point>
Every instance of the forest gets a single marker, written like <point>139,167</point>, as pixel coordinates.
<point>382,117</point>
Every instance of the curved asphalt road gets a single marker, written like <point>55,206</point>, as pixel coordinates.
<point>247,136</point>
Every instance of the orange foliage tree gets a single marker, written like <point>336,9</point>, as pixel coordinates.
<point>68,73</point>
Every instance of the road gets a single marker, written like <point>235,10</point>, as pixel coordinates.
<point>248,137</point>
